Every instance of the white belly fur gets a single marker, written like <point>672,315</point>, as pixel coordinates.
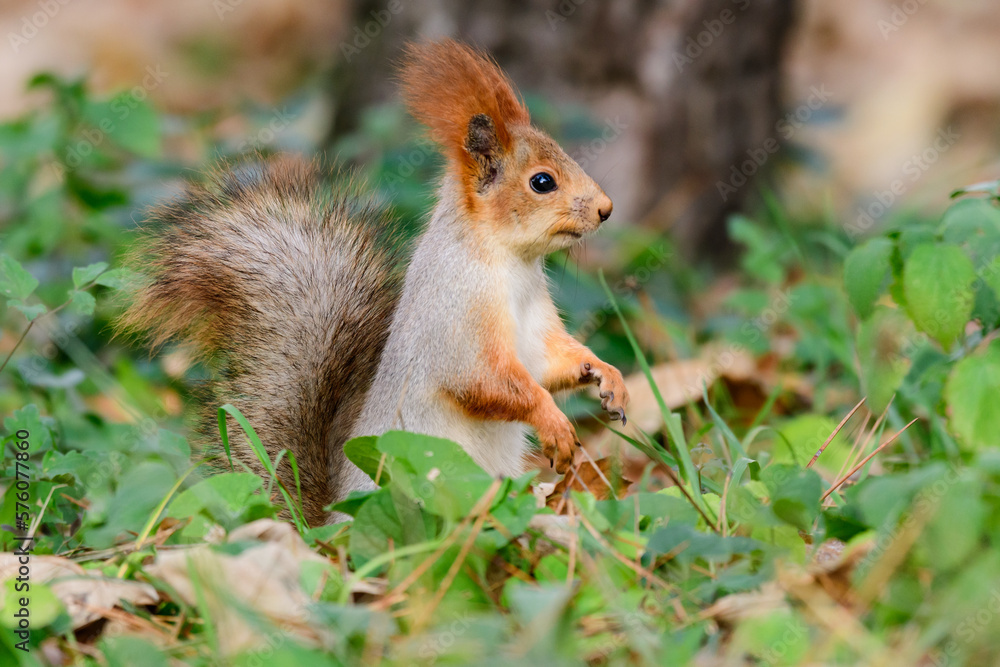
<point>416,346</point>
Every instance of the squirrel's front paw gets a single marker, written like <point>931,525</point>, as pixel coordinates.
<point>557,437</point>
<point>611,385</point>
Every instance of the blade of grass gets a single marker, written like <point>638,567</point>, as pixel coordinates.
<point>675,430</point>
<point>741,467</point>
<point>202,605</point>
<point>261,453</point>
<point>833,435</point>
<point>765,409</point>
<point>868,458</point>
<point>155,516</point>
<point>736,448</point>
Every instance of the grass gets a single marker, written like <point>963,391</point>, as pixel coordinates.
<point>823,491</point>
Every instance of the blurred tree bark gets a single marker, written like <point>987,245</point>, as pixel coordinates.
<point>686,91</point>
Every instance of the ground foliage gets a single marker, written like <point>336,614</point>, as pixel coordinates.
<point>729,541</point>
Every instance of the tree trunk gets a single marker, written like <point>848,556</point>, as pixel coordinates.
<point>683,92</point>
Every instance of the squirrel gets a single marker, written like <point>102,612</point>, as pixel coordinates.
<point>289,282</point>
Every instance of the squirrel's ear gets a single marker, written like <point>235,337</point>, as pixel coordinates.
<point>483,144</point>
<point>464,98</point>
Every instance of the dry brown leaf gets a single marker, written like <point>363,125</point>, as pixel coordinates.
<point>679,383</point>
<point>263,579</point>
<point>86,594</point>
<point>585,478</point>
<point>738,606</point>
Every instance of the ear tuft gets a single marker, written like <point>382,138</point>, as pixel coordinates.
<point>482,143</point>
<point>448,86</point>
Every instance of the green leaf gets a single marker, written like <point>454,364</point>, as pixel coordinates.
<point>937,282</point>
<point>436,472</point>
<point>15,282</point>
<point>954,533</point>
<point>39,430</point>
<point>534,605</point>
<point>115,278</point>
<point>30,312</point>
<point>884,342</point>
<point>971,222</point>
<point>363,452</point>
<point>780,638</point>
<point>803,435</point>
<point>127,121</point>
<point>43,606</point>
<point>971,393</point>
<point>87,274</point>
<point>867,271</point>
<point>127,650</point>
<point>352,503</point>
<point>81,303</point>
<point>223,496</point>
<point>990,274</point>
<point>795,494</point>
<point>691,544</point>
<point>987,187</point>
<point>387,518</point>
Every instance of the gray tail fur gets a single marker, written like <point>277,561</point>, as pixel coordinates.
<point>285,285</point>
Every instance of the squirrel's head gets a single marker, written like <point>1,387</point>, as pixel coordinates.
<point>516,181</point>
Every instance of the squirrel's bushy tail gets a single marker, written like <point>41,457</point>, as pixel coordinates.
<point>286,285</point>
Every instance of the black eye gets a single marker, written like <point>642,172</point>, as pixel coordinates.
<point>542,182</point>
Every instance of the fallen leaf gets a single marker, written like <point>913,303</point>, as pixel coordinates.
<point>86,594</point>
<point>588,477</point>
<point>262,580</point>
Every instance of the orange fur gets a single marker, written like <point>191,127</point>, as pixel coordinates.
<point>505,391</point>
<point>572,365</point>
<point>446,83</point>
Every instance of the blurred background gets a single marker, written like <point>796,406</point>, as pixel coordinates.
<point>748,145</point>
<point>807,214</point>
<point>681,108</point>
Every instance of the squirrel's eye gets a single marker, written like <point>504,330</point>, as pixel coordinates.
<point>542,182</point>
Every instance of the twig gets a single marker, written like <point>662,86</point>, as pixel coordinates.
<point>449,577</point>
<point>570,571</point>
<point>677,483</point>
<point>17,344</point>
<point>31,323</point>
<point>391,597</point>
<point>835,432</point>
<point>866,460</point>
<point>625,561</point>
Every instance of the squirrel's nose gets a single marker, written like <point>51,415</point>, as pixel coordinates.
<point>604,207</point>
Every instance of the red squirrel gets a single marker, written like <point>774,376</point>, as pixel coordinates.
<point>283,278</point>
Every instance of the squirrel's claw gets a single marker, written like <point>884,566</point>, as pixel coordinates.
<point>611,388</point>
<point>557,436</point>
